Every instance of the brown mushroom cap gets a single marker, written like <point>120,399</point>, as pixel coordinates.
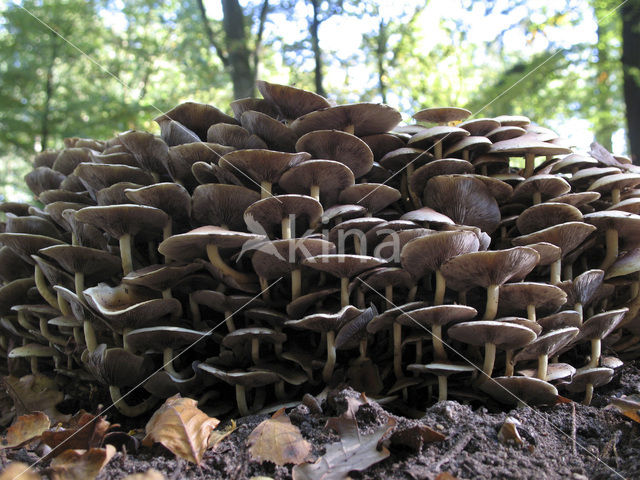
<point>358,226</point>
<point>515,297</point>
<point>573,161</point>
<point>626,224</point>
<point>342,266</point>
<point>171,198</point>
<point>261,165</point>
<point>383,143</point>
<point>291,102</point>
<point>548,252</point>
<point>543,215</point>
<point>197,117</point>
<point>88,261</point>
<point>160,277</point>
<point>583,288</point>
<point>547,185</point>
<point>489,268</point>
<point>12,266</point>
<point>161,337</point>
<point>431,136</point>
<point>250,379</point>
<point>577,199</point>
<point>190,245</point>
<point>601,325</point>
<point>437,315</point>
<point>373,196</point>
<point>548,344</point>
<point>480,126</point>
<point>222,205</point>
<point>115,194</point>
<point>589,376</point>
<point>504,335</point>
<point>118,220</point>
<point>258,104</point>
<point>441,368</point>
<point>506,132</point>
<point>24,245</point>
<point>243,335</point>
<point>626,264</point>
<point>328,176</point>
<point>43,178</point>
<point>96,176</point>
<point>512,390</point>
<point>442,114</point>
<point>268,213</point>
<point>428,215</point>
<point>325,322</point>
<point>150,152</point>
<point>567,236</point>
<point>445,166</point>
<point>234,136</point>
<point>618,181</point>
<point>276,135</point>
<point>471,143</point>
<point>397,160</point>
<point>277,258</point>
<point>359,119</point>
<point>566,318</point>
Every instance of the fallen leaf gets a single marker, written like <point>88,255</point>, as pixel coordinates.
<point>560,399</point>
<point>83,431</point>
<point>18,470</point>
<point>122,441</point>
<point>445,476</point>
<point>627,405</point>
<point>217,436</point>
<point>35,393</point>
<point>24,429</point>
<point>508,433</point>
<point>277,440</point>
<point>80,464</point>
<point>354,451</point>
<point>150,474</point>
<point>181,427</point>
<point>415,437</point>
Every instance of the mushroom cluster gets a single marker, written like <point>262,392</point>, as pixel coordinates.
<point>299,245</point>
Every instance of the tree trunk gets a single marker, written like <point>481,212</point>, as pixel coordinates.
<point>315,44</point>
<point>630,12</point>
<point>606,125</point>
<point>238,53</point>
<point>48,95</point>
<point>381,52</point>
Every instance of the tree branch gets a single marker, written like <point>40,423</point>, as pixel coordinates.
<point>212,39</point>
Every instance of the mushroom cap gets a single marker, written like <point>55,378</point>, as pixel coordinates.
<point>429,137</point>
<point>291,102</point>
<point>441,369</point>
<point>300,305</point>
<point>261,165</point>
<point>428,253</point>
<point>116,158</point>
<point>625,223</point>
<point>400,158</point>
<point>619,181</point>
<point>442,114</point>
<point>258,104</point>
<point>160,277</point>
<point>543,215</point>
<point>527,144</point>
<point>631,205</point>
<point>383,143</point>
<point>513,120</point>
<point>548,252</point>
<point>548,185</point>
<point>567,236</point>
<point>329,176</point>
<point>220,302</point>
<point>197,117</point>
<point>489,267</point>
<point>58,195</point>
<point>583,288</point>
<point>118,220</point>
<point>150,152</point>
<point>471,143</point>
<point>266,316</point>
<point>547,344</point>
<point>511,390</point>
<point>243,335</point>
<point>345,212</point>
<point>525,322</point>
<point>171,198</point>
<point>626,264</point>
<point>53,274</point>
<point>364,118</point>
<point>466,200</point>
<point>325,322</point>
<point>339,146</point>
<point>504,335</point>
<point>193,244</point>
<point>24,244</point>
<point>577,199</point>
<point>555,371</point>
<point>574,160</point>
<point>355,226</point>
<point>250,379</point>
<point>219,204</point>
<point>12,267</point>
<point>373,196</point>
<point>601,325</point>
<point>390,231</point>
<point>117,366</point>
<point>279,257</point>
<point>382,277</point>
<point>35,225</point>
<point>89,261</point>
<point>589,376</point>
<point>342,266</point>
<point>32,350</point>
<point>96,176</point>
<point>161,337</point>
<point>353,331</point>
<point>266,215</point>
<point>445,166</point>
<point>234,136</point>
<point>43,178</point>
<point>515,297</point>
<point>276,135</point>
<point>437,315</point>
<point>506,132</point>
<point>565,318</point>
<point>114,195</point>
<point>390,247</point>
<point>480,126</point>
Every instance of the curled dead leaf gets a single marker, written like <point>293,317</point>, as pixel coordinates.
<point>218,436</point>
<point>181,427</point>
<point>277,440</point>
<point>18,470</point>
<point>509,434</point>
<point>35,393</point>
<point>627,405</point>
<point>83,431</point>
<point>415,437</point>
<point>80,464</point>
<point>25,429</point>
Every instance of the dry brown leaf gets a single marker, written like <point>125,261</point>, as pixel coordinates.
<point>445,476</point>
<point>415,437</point>
<point>35,393</point>
<point>150,474</point>
<point>217,436</point>
<point>181,427</point>
<point>18,470</point>
<point>81,464</point>
<point>83,431</point>
<point>277,440</point>
<point>627,405</point>
<point>509,434</point>
<point>354,451</point>
<point>24,429</point>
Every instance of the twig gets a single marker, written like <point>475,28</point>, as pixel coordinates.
<point>458,447</point>
<point>573,428</point>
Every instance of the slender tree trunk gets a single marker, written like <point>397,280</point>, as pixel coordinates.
<point>48,95</point>
<point>606,123</point>
<point>315,44</point>
<point>237,50</point>
<point>381,52</point>
<point>630,12</point>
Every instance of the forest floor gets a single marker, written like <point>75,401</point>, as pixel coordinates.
<point>566,441</point>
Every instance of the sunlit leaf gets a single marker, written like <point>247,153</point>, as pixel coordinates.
<point>277,440</point>
<point>35,393</point>
<point>81,464</point>
<point>24,429</point>
<point>83,431</point>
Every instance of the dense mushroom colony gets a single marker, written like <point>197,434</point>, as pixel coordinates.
<point>298,245</point>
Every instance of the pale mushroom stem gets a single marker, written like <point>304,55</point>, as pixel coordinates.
<point>265,189</point>
<point>228,320</point>
<point>167,230</point>
<point>315,192</point>
<point>588,395</point>
<point>46,333</point>
<point>441,286</point>
<point>578,308</point>
<point>34,365</point>
<point>327,371</point>
<point>556,269</point>
<point>286,228</point>
<point>63,305</point>
<point>195,312</point>
<point>489,358</point>
<point>255,351</point>
<point>241,400</point>
<point>89,336</point>
<point>615,196</point>
<point>397,350</point>
<point>279,390</point>
<point>543,366</point>
<point>529,164</point>
<point>360,300</point>
<point>531,312</point>
<point>167,361</point>
<point>439,352</point>
<point>419,351</point>
<point>264,287</point>
<point>344,291</point>
<point>437,150</point>
<point>412,293</point>
<point>567,272</point>
<point>125,343</point>
<point>596,351</point>
<point>357,245</point>
<point>388,295</point>
<point>493,292</point>
<point>43,288</point>
<point>612,249</point>
<point>166,294</point>
<point>442,388</point>
<point>125,253</point>
<point>363,348</point>
<point>215,259</point>
<point>509,364</point>
<point>130,410</point>
<point>296,283</point>
<point>350,129</point>
<point>78,280</point>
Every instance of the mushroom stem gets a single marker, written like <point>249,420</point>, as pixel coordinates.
<point>327,371</point>
<point>264,287</point>
<point>543,365</point>
<point>588,394</point>
<point>34,365</point>
<point>612,248</point>
<point>228,320</point>
<point>397,350</point>
<point>315,192</point>
<point>363,348</point>
<point>596,350</point>
<point>296,283</point>
<point>344,291</point>
<point>412,293</point>
<point>489,358</point>
<point>615,196</point>
<point>255,351</point>
<point>441,286</point>
<point>125,253</point>
<point>350,129</point>
<point>129,410</point>
<point>265,189</point>
<point>442,388</point>
<point>437,149</point>
<point>78,280</point>
<point>567,272</point>
<point>46,333</point>
<point>286,228</point>
<point>493,292</point>
<point>43,288</point>
<point>531,312</point>
<point>167,231</point>
<point>529,164</point>
<point>166,294</point>
<point>214,257</point>
<point>388,295</point>
<point>509,364</point>
<point>556,269</point>
<point>279,390</point>
<point>419,351</point>
<point>578,308</point>
<point>357,245</point>
<point>167,361</point>
<point>89,336</point>
<point>63,305</point>
<point>438,347</point>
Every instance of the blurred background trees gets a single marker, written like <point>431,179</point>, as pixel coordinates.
<point>572,65</point>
